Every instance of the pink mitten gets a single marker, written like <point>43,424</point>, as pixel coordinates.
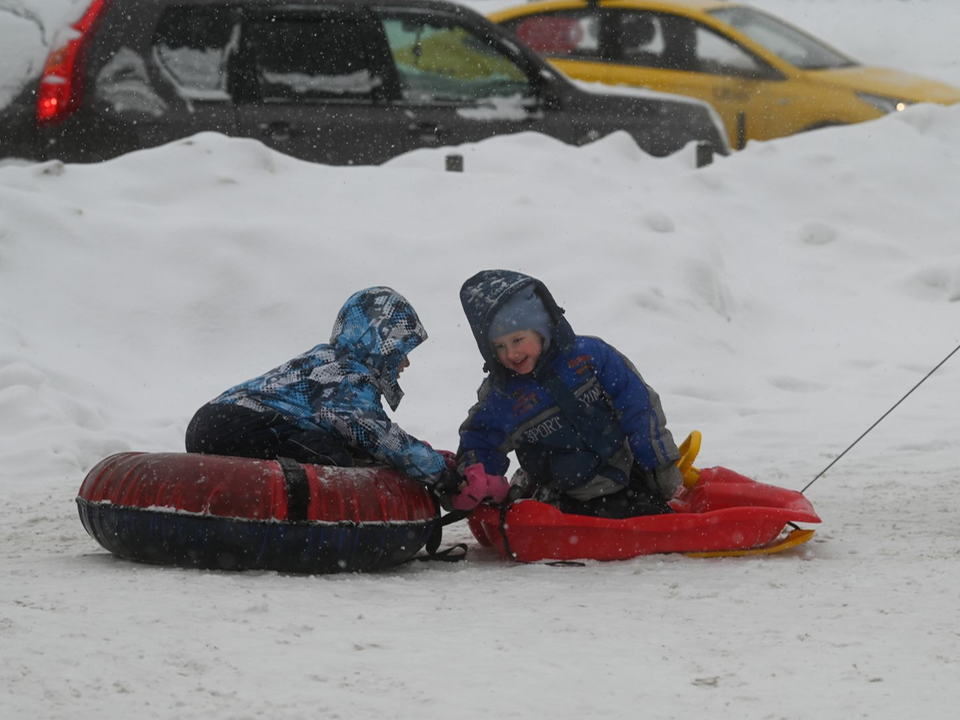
<point>474,491</point>
<point>498,487</point>
<point>479,487</point>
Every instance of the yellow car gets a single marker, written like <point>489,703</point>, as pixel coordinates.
<point>765,78</point>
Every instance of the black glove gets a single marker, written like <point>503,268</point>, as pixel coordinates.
<point>521,486</point>
<point>448,482</point>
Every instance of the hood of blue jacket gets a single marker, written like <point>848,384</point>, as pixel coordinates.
<point>378,328</point>
<point>486,292</point>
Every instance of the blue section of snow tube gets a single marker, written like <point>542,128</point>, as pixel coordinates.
<point>171,538</point>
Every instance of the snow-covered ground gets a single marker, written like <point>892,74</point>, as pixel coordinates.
<point>780,301</point>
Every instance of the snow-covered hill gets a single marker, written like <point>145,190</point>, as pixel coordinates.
<point>780,301</point>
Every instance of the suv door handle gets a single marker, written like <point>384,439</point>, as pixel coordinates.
<point>426,130</point>
<point>276,130</point>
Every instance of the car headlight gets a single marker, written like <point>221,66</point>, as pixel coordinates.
<point>884,103</point>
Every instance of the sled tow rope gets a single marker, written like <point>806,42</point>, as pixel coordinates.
<point>849,447</point>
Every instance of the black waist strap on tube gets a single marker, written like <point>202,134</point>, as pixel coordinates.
<point>298,489</point>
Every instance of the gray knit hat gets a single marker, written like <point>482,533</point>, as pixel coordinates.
<point>523,311</point>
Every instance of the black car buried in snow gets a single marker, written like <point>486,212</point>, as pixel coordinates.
<point>331,81</point>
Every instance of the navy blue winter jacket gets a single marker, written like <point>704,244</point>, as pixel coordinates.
<point>602,419</point>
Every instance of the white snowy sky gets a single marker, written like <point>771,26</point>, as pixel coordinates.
<point>780,301</point>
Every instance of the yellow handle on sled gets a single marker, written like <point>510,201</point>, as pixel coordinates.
<point>688,453</point>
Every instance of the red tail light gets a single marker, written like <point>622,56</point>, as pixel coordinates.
<point>61,86</point>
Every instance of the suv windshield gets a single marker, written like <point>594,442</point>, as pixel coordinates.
<point>787,43</point>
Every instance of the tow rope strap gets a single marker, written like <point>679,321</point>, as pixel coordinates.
<point>432,547</point>
<point>503,530</point>
<point>509,551</point>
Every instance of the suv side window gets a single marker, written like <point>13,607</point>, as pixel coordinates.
<point>439,61</point>
<point>311,56</point>
<point>191,47</point>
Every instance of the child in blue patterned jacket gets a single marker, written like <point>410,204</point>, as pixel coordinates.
<point>589,433</point>
<point>324,406</point>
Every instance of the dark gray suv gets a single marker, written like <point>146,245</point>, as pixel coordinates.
<point>332,81</point>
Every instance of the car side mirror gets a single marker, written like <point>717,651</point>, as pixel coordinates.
<point>548,94</point>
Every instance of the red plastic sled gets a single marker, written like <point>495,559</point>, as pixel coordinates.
<point>723,511</point>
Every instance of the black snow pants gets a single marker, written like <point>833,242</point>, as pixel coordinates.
<point>222,429</point>
<point>635,500</point>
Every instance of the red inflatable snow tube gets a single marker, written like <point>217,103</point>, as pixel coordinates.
<point>240,514</point>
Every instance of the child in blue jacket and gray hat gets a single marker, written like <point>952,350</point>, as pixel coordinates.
<point>589,433</point>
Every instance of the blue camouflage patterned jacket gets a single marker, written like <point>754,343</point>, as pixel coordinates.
<point>580,422</point>
<point>337,387</point>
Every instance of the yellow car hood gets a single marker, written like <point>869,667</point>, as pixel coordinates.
<point>889,83</point>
